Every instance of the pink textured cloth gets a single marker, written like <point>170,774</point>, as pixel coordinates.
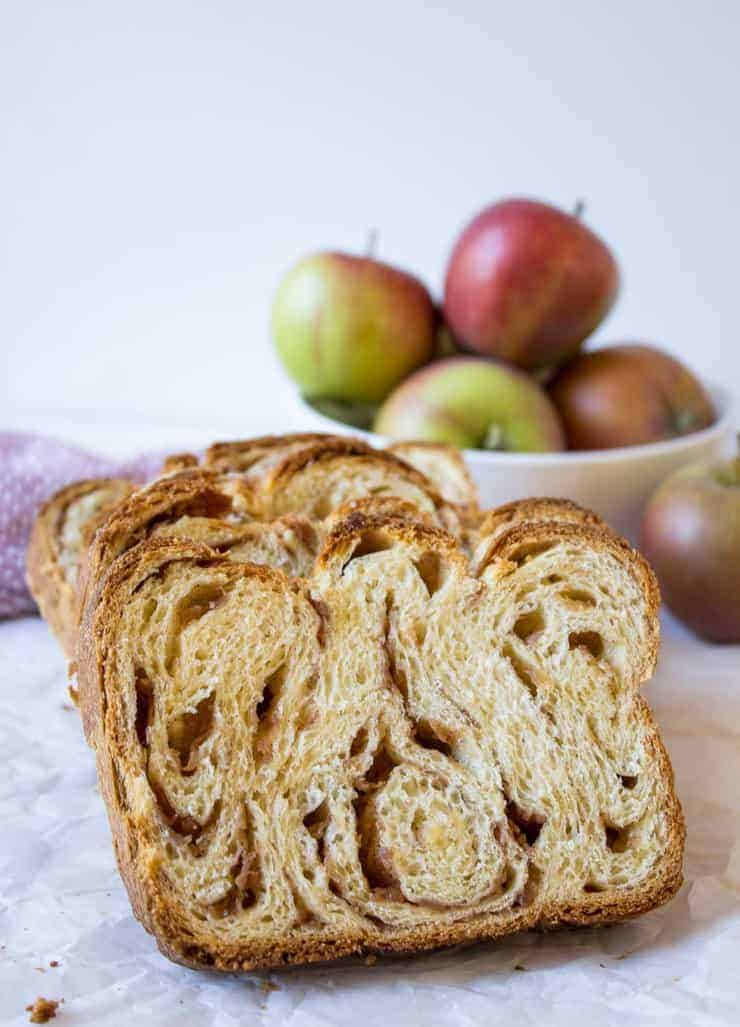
<point>31,468</point>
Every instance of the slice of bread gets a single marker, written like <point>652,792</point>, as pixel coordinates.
<point>394,754</point>
<point>61,532</point>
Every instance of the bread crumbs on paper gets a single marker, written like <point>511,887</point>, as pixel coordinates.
<point>371,960</point>
<point>267,986</point>
<point>43,1010</point>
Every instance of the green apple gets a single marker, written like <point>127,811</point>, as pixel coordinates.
<point>472,403</point>
<point>351,328</point>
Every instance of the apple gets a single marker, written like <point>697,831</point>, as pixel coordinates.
<point>691,535</point>
<point>627,395</point>
<point>351,328</point>
<point>472,403</point>
<point>527,283</point>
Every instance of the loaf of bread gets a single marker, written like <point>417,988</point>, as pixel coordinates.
<point>397,751</point>
<point>61,532</point>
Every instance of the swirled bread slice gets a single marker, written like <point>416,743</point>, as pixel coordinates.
<point>391,755</point>
<point>61,532</point>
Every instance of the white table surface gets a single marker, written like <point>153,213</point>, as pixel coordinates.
<point>61,897</point>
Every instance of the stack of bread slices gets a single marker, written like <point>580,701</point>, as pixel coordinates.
<point>339,709</point>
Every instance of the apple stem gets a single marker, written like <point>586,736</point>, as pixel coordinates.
<point>494,437</point>
<point>372,242</point>
<point>579,209</point>
<point>729,475</point>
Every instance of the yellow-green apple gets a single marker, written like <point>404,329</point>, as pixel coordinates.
<point>527,283</point>
<point>350,328</point>
<point>474,404</point>
<point>627,395</point>
<point>691,535</point>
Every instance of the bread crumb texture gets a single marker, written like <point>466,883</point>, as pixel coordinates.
<point>390,746</point>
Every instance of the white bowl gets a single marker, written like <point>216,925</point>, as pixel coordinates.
<point>616,483</point>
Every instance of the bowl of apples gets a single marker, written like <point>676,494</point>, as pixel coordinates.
<point>499,368</point>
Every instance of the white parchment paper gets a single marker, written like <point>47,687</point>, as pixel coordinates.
<point>61,898</point>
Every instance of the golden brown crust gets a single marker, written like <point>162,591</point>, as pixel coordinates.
<point>541,508</point>
<point>145,881</point>
<point>50,572</point>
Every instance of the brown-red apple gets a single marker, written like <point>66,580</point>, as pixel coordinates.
<point>691,535</point>
<point>527,283</point>
<point>474,404</point>
<point>351,328</point>
<point>627,395</point>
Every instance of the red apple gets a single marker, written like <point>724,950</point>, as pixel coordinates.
<point>351,328</point>
<point>528,283</point>
<point>474,404</point>
<point>691,535</point>
<point>627,395</point>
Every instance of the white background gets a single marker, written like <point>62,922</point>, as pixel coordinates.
<point>164,163</point>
